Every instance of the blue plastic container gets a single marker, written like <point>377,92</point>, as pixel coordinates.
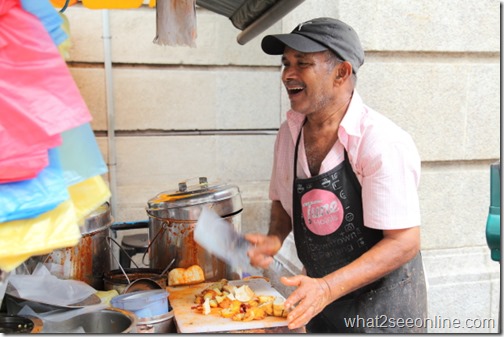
<point>144,304</point>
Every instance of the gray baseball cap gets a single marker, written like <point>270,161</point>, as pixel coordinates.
<point>318,35</point>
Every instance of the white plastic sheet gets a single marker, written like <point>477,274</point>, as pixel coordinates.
<point>43,287</point>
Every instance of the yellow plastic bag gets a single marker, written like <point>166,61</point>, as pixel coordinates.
<point>58,228</point>
<point>88,195</point>
<point>64,47</point>
<point>21,239</point>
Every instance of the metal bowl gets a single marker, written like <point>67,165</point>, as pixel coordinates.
<point>109,320</point>
<point>157,324</point>
<point>116,279</point>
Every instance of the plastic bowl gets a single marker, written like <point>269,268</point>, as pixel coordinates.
<point>145,303</point>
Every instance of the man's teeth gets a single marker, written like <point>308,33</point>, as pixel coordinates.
<point>295,90</point>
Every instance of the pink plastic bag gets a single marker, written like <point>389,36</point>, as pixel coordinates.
<point>38,96</point>
<point>23,168</point>
<point>19,136</point>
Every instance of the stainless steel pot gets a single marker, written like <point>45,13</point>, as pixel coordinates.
<point>157,324</point>
<point>106,321</point>
<point>91,257</point>
<point>172,217</point>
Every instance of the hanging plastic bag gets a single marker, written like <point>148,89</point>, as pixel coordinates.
<point>65,45</point>
<point>80,155</point>
<point>22,239</point>
<point>49,17</point>
<point>44,94</point>
<point>30,198</point>
<point>19,136</point>
<point>23,168</point>
<point>88,195</point>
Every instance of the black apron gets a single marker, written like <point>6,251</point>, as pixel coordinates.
<point>329,233</point>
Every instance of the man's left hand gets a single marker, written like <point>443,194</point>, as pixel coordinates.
<point>311,297</point>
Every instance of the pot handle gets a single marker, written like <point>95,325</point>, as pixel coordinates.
<point>202,182</point>
<point>162,229</point>
<point>115,258</point>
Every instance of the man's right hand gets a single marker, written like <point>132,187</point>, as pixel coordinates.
<point>263,248</point>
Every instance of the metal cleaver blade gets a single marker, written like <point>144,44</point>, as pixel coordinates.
<point>219,238</point>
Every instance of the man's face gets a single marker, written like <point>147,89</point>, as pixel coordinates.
<point>308,79</point>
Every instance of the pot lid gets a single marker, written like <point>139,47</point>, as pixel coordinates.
<point>190,195</point>
<point>99,219</point>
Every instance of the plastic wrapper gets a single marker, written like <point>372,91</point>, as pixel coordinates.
<point>30,198</point>
<point>21,239</point>
<point>80,156</point>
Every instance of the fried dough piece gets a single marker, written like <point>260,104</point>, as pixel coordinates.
<point>184,276</point>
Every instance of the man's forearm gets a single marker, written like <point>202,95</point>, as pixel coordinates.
<point>395,249</point>
<point>280,222</point>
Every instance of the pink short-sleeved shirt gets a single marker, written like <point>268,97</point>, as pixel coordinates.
<point>383,156</point>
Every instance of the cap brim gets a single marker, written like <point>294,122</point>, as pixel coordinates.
<point>275,44</point>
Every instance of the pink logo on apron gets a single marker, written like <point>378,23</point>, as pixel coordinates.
<point>322,211</point>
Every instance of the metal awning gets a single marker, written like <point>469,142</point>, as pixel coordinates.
<point>252,17</point>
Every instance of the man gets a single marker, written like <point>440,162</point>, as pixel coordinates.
<point>345,182</point>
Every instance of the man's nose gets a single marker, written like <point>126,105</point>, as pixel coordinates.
<point>288,74</point>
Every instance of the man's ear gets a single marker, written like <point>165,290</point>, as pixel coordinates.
<point>344,70</point>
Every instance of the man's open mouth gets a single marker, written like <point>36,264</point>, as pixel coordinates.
<point>294,90</point>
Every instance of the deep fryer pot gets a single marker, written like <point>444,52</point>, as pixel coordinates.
<point>90,258</point>
<point>172,217</point>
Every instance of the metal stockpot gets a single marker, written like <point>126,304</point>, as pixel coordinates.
<point>172,217</point>
<point>91,257</point>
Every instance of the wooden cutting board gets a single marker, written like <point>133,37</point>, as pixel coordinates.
<point>190,321</point>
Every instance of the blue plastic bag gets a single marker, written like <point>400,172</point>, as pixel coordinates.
<point>80,155</point>
<point>49,17</point>
<point>32,197</point>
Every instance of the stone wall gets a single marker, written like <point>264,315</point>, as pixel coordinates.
<point>431,66</point>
